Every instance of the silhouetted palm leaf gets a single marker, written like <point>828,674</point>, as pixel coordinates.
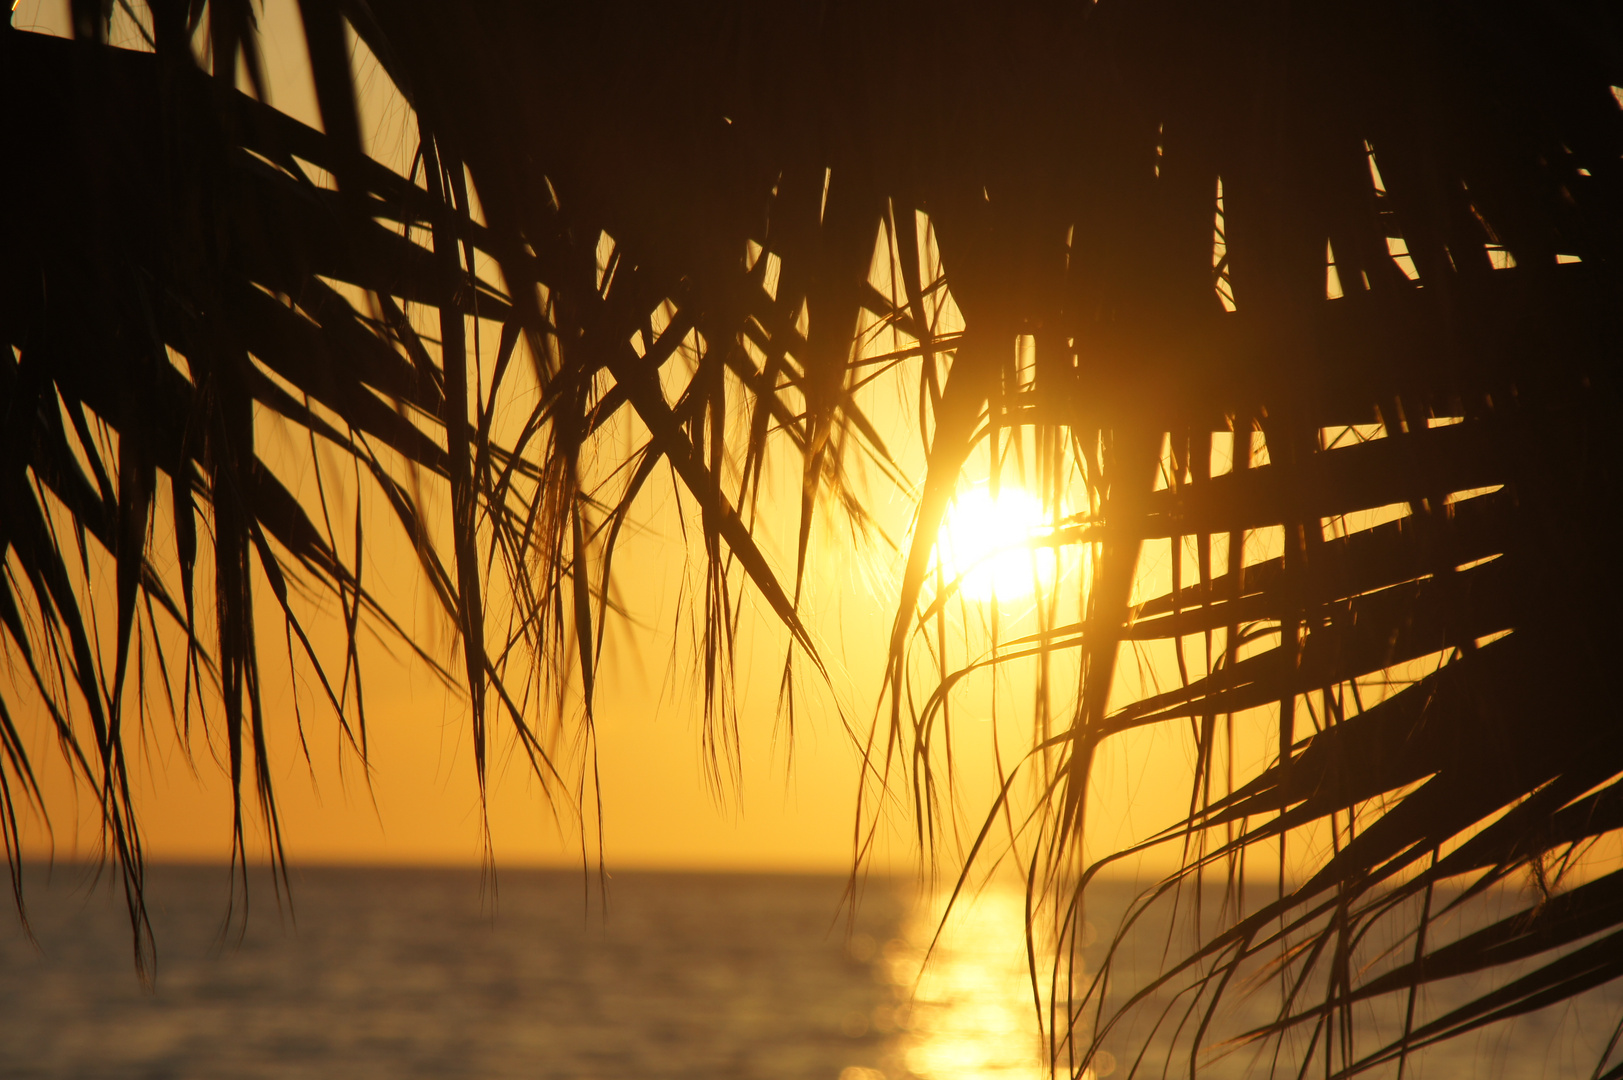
<point>1269,224</point>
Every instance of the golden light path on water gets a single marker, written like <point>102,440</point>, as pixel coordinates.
<point>966,1012</point>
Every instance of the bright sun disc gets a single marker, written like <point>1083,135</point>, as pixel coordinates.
<point>987,543</point>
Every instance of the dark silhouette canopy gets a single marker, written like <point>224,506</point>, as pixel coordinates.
<point>1264,221</point>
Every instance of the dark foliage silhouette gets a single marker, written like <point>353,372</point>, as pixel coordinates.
<point>1283,225</point>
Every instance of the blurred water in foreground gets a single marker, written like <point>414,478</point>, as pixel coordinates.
<point>402,973</point>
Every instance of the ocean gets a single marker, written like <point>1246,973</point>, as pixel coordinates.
<point>425,973</point>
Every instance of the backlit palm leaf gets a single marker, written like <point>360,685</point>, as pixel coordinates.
<point>1380,241</point>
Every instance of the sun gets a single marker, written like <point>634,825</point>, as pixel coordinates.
<point>986,544</point>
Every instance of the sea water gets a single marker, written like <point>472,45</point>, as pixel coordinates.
<point>435,973</point>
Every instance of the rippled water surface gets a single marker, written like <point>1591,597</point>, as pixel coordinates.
<point>401,973</point>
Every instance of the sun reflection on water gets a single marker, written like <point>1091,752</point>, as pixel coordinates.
<point>967,1011</point>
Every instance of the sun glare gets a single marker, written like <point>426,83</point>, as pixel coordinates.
<point>986,544</point>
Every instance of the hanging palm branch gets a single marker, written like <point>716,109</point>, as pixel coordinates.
<point>1320,304</point>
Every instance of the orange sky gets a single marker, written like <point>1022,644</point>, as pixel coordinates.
<point>660,810</point>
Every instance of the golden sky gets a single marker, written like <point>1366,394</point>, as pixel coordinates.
<point>793,805</point>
